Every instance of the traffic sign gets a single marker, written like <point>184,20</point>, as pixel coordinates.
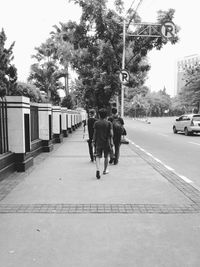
<point>124,76</point>
<point>168,29</point>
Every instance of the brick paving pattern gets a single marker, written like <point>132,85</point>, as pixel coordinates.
<point>7,185</point>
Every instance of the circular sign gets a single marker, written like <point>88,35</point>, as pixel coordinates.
<point>124,76</point>
<point>168,29</point>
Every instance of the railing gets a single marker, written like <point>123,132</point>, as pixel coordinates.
<point>34,123</point>
<point>3,127</point>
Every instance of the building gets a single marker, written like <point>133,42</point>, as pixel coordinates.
<point>181,66</point>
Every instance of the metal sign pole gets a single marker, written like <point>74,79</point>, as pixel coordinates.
<point>123,67</point>
<point>167,30</point>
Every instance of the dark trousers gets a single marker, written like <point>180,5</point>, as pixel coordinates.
<point>115,151</point>
<point>90,145</point>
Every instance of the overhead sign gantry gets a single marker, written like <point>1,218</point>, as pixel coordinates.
<point>166,30</point>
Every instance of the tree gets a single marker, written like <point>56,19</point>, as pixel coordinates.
<point>28,90</point>
<point>97,53</point>
<point>44,77</point>
<point>189,96</point>
<point>149,104</point>
<point>68,102</point>
<point>8,72</point>
<point>45,74</point>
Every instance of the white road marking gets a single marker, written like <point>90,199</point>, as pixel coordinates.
<point>157,160</point>
<point>167,167</point>
<point>185,179</point>
<point>163,135</point>
<point>195,186</point>
<point>194,143</point>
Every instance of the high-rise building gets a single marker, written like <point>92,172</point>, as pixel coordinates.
<point>181,66</point>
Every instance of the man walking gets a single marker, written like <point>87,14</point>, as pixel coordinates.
<point>102,138</point>
<point>90,125</point>
<point>118,124</point>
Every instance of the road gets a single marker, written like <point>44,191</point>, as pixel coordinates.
<point>179,152</point>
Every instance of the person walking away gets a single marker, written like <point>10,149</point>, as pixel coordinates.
<point>118,125</point>
<point>102,138</point>
<point>90,126</point>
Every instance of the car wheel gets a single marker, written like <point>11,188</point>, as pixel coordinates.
<point>186,132</point>
<point>174,130</point>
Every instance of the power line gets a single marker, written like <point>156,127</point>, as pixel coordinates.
<point>134,12</point>
<point>138,5</point>
<point>130,7</point>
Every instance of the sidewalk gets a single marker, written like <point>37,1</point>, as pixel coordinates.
<point>59,214</point>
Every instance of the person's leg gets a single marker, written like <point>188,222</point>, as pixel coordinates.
<point>106,161</point>
<point>91,150</point>
<point>111,155</point>
<point>117,149</point>
<point>98,157</point>
<point>98,163</point>
<point>105,165</point>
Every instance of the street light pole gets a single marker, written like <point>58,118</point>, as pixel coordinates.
<point>123,67</point>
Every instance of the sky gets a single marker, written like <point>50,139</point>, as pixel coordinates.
<point>29,22</point>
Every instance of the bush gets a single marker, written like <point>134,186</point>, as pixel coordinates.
<point>28,90</point>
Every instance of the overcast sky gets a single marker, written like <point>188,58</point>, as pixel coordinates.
<point>29,22</point>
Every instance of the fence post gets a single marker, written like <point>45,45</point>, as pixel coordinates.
<point>45,126</point>
<point>19,138</point>
<point>3,127</point>
<point>64,121</point>
<point>57,124</point>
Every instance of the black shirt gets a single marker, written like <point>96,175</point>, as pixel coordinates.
<point>102,133</point>
<point>90,123</point>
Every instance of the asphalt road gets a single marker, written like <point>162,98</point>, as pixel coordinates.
<point>179,152</point>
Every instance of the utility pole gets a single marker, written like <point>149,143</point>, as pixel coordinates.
<point>66,79</point>
<point>166,30</point>
<point>123,66</point>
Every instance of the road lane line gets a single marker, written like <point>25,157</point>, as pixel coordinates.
<point>195,186</point>
<point>163,135</point>
<point>194,143</point>
<point>187,180</point>
<point>167,167</point>
<point>157,160</point>
<point>149,154</point>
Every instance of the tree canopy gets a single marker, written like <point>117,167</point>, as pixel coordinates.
<point>189,95</point>
<point>8,72</point>
<point>93,48</point>
<point>97,53</point>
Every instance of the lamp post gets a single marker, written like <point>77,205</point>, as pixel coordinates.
<point>123,67</point>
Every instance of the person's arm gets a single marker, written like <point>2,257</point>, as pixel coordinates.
<point>95,134</point>
<point>111,134</point>
<point>121,121</point>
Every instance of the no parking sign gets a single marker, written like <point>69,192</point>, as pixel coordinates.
<point>168,29</point>
<point>124,76</point>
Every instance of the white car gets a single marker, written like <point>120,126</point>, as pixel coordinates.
<point>187,123</point>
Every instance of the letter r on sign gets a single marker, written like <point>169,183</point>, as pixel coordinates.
<point>169,29</point>
<point>124,76</point>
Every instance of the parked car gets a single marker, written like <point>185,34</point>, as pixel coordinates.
<point>187,123</point>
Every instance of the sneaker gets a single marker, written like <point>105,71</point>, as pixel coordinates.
<point>111,161</point>
<point>105,171</point>
<point>115,162</point>
<point>98,174</point>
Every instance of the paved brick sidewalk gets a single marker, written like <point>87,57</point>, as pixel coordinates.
<point>63,181</point>
<point>58,214</point>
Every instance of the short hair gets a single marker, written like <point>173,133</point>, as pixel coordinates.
<point>114,111</point>
<point>92,112</point>
<point>102,113</point>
